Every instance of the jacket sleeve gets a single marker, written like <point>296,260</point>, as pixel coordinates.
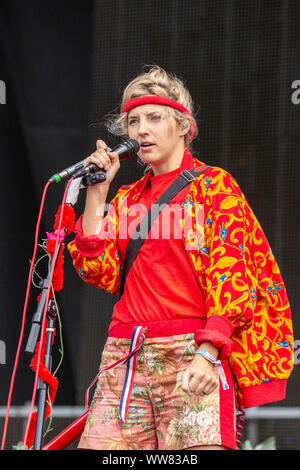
<point>227,277</point>
<point>96,258</point>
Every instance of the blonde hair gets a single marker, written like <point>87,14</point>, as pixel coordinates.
<point>159,83</point>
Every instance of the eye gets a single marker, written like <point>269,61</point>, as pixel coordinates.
<point>155,117</point>
<point>132,121</point>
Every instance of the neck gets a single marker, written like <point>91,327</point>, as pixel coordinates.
<point>170,164</point>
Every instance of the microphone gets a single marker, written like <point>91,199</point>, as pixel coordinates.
<point>126,149</point>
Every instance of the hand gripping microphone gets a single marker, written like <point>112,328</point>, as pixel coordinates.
<point>126,149</point>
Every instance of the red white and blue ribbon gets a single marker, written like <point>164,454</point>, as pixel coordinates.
<point>137,340</point>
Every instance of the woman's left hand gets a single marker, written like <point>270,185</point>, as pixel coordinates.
<point>200,377</point>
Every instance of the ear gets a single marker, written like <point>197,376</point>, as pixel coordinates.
<point>185,127</point>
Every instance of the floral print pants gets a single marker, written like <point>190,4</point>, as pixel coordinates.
<point>161,415</point>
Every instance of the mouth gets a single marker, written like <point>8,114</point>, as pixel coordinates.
<point>146,145</point>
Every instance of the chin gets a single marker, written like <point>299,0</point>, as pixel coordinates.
<point>150,159</point>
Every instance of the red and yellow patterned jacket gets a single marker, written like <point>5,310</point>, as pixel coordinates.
<point>247,308</point>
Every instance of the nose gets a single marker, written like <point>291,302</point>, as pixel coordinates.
<point>143,129</point>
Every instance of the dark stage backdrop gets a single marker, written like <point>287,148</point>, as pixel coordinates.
<point>65,65</point>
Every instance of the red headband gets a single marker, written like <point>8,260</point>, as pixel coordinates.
<point>153,99</point>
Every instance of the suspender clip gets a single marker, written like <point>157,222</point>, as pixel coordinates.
<point>187,175</point>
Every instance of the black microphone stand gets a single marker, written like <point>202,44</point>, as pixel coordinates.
<point>30,349</point>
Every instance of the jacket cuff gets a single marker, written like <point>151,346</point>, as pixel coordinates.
<point>218,331</point>
<point>89,246</point>
<point>262,394</point>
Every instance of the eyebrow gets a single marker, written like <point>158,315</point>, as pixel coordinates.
<point>148,114</point>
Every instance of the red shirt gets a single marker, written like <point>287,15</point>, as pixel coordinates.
<point>161,284</point>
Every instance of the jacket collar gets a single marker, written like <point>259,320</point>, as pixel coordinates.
<point>187,163</point>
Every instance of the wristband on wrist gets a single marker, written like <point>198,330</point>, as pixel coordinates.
<point>212,359</point>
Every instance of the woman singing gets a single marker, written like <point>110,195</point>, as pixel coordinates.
<point>204,306</point>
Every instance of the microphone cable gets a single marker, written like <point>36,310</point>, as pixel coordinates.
<point>240,427</point>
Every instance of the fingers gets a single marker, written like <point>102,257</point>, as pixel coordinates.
<point>185,382</point>
<point>100,160</point>
<point>199,382</point>
<point>202,384</point>
<point>101,145</point>
<point>208,389</point>
<point>101,157</point>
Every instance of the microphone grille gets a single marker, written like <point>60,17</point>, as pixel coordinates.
<point>133,146</point>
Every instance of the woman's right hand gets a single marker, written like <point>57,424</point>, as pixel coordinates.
<point>109,161</point>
